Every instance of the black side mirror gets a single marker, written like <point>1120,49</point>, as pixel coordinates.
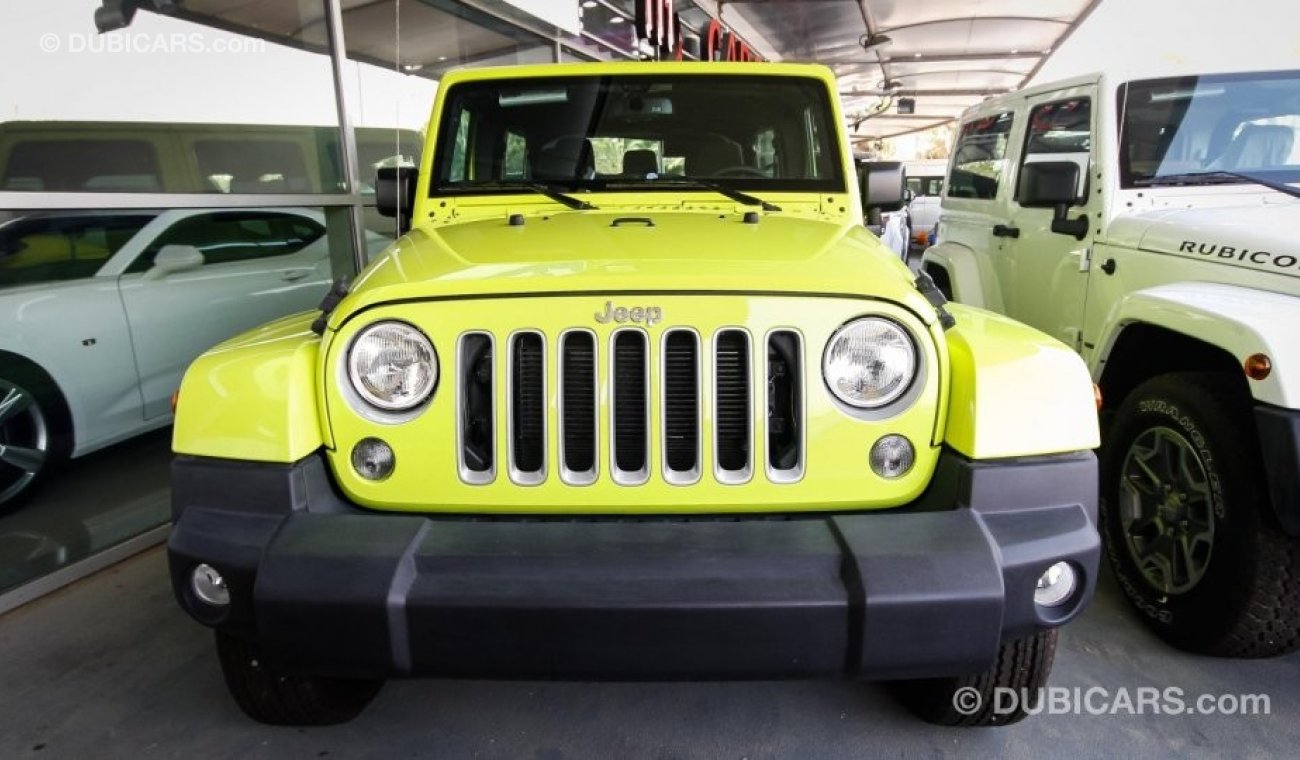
<point>1054,185</point>
<point>884,185</point>
<point>395,194</point>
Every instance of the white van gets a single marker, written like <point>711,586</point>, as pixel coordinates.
<point>1151,222</point>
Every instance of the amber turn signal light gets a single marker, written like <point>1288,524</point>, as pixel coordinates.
<point>176,399</point>
<point>1258,366</point>
<point>1096,395</point>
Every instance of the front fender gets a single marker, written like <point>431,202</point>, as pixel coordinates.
<point>970,275</point>
<point>253,397</point>
<point>1241,321</point>
<point>1015,391</point>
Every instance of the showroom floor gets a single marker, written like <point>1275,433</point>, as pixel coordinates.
<point>111,668</point>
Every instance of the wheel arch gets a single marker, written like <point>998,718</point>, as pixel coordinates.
<point>962,275</point>
<point>1142,350</point>
<point>62,411</point>
<point>1200,326</point>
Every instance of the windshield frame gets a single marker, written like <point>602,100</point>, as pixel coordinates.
<point>836,182</point>
<point>1130,180</point>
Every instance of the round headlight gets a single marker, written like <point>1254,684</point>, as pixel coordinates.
<point>869,362</point>
<point>392,366</point>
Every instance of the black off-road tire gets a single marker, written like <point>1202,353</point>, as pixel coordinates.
<point>1022,666</point>
<point>1247,601</point>
<point>268,695</point>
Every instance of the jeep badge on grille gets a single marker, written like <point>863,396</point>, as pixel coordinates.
<point>648,315</point>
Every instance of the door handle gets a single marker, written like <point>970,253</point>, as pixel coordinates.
<point>1005,230</point>
<point>293,275</point>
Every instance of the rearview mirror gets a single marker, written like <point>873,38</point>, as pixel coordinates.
<point>395,194</point>
<point>172,259</point>
<point>884,185</point>
<point>1054,185</point>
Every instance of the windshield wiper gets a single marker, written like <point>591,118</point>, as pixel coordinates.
<point>702,184</point>
<point>537,187</point>
<point>559,197</point>
<point>1217,177</point>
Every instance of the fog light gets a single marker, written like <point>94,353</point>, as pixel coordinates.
<point>209,586</point>
<point>1056,585</point>
<point>892,456</point>
<point>373,459</point>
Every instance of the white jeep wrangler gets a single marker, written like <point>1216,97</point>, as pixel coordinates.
<point>1154,225</point>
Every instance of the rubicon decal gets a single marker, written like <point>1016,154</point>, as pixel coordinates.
<point>647,315</point>
<point>1260,259</point>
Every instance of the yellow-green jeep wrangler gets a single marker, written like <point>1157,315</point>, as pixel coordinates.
<point>635,396</point>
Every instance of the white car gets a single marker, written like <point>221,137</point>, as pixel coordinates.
<point>103,310</point>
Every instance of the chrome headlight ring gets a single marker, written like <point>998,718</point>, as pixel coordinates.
<point>870,362</point>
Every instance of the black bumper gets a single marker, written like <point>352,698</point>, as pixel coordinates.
<point>930,589</point>
<point>1279,444</point>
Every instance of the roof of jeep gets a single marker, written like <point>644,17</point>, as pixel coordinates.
<point>602,68</point>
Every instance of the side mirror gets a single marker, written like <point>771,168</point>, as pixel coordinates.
<point>884,185</point>
<point>1054,185</point>
<point>171,259</point>
<point>395,194</point>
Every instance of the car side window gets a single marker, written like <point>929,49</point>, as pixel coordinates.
<point>980,156</point>
<point>233,236</point>
<point>92,165</point>
<point>62,247</point>
<point>1061,131</point>
<point>253,166</point>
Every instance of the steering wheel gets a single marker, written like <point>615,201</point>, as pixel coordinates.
<point>740,171</point>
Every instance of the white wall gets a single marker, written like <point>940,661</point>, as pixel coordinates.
<point>56,66</point>
<point>1170,37</point>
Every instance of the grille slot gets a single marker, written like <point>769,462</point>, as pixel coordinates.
<point>527,408</point>
<point>578,407</point>
<point>681,406</point>
<point>629,373</point>
<point>475,402</point>
<point>785,413</point>
<point>733,439</point>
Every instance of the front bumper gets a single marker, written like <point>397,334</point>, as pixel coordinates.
<point>930,589</point>
<point>1279,444</point>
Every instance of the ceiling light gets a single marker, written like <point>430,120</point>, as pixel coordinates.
<point>616,20</point>
<point>589,3</point>
<point>918,55</point>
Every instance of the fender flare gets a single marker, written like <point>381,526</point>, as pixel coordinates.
<point>969,274</point>
<point>1240,321</point>
<point>254,397</point>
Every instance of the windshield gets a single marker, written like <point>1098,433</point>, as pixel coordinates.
<point>630,131</point>
<point>1247,123</point>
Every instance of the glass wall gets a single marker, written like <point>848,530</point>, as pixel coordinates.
<point>170,179</point>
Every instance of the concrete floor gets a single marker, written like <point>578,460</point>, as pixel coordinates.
<point>111,668</point>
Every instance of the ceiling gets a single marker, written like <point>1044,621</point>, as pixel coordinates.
<point>944,54</point>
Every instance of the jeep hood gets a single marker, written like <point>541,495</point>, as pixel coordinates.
<point>1262,236</point>
<point>625,250</point>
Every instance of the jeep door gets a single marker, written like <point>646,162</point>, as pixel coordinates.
<point>973,216</point>
<point>255,265</point>
<point>1044,273</point>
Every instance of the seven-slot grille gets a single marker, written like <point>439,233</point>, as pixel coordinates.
<point>684,370</point>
